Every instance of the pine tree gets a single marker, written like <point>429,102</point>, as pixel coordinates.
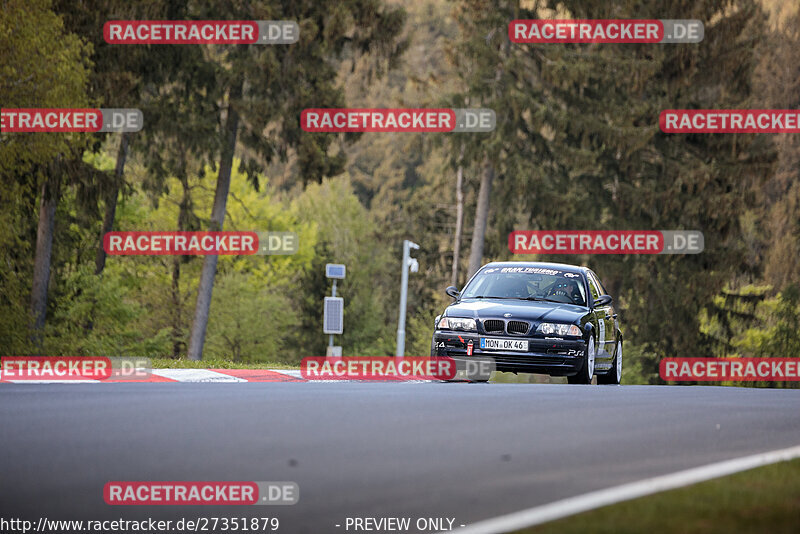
<point>265,89</point>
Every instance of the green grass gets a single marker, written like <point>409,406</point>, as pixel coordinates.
<point>763,500</point>
<point>169,363</point>
<point>526,378</point>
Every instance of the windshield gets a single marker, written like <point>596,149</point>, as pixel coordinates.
<point>527,283</point>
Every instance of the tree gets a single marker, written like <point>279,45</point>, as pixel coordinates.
<point>38,71</point>
<point>748,322</point>
<point>347,233</point>
<point>776,229</point>
<point>640,178</point>
<point>203,305</point>
<point>43,66</point>
<point>459,218</point>
<point>577,146</point>
<point>143,77</point>
<point>262,109</point>
<point>481,216</point>
<point>495,75</point>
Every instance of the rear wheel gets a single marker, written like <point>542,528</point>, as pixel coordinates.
<point>614,375</point>
<point>586,372</point>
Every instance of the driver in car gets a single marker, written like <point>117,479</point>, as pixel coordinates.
<point>569,289</point>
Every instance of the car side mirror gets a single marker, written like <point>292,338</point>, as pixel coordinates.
<point>453,292</point>
<point>603,300</point>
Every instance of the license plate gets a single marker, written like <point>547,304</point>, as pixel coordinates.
<point>491,343</point>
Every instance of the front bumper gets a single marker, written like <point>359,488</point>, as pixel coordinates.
<point>555,357</point>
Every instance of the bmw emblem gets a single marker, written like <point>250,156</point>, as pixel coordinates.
<point>506,315</point>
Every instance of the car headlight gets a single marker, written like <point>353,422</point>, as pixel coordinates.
<point>457,323</point>
<point>559,329</point>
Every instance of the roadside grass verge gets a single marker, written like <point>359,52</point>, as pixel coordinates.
<point>766,499</point>
<point>526,378</point>
<point>169,363</point>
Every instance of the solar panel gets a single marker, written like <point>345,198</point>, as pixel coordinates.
<point>333,317</point>
<point>335,270</point>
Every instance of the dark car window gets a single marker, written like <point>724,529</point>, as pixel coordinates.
<point>600,286</point>
<point>593,287</point>
<point>527,283</point>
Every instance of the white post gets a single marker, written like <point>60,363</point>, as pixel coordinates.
<point>333,294</point>
<point>401,320</point>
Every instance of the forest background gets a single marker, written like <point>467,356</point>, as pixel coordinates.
<point>577,146</point>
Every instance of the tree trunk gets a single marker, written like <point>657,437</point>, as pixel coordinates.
<point>484,193</point>
<point>177,331</point>
<point>44,251</point>
<point>206,286</point>
<point>111,203</point>
<point>178,344</point>
<point>459,218</point>
<point>481,217</point>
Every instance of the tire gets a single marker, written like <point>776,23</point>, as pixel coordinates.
<point>615,374</point>
<point>586,372</point>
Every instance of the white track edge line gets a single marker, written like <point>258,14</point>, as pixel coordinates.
<point>597,499</point>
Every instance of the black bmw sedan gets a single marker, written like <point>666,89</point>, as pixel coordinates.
<point>529,317</point>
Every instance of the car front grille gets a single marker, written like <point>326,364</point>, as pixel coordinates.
<point>517,327</point>
<point>505,359</point>
<point>494,326</point>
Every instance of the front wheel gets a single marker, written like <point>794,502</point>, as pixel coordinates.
<point>586,372</point>
<point>614,375</point>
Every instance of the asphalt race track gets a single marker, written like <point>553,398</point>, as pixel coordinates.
<point>418,450</point>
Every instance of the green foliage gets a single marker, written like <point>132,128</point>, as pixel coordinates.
<point>640,366</point>
<point>419,328</point>
<point>101,316</point>
<point>215,363</point>
<point>577,147</point>
<point>347,234</point>
<point>728,315</point>
<point>42,67</point>
<point>750,323</point>
<point>250,320</point>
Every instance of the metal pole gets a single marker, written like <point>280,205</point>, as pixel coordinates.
<point>333,294</point>
<point>401,321</point>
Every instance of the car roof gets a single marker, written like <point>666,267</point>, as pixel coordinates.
<point>542,264</point>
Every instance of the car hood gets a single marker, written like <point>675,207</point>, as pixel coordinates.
<point>519,309</point>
